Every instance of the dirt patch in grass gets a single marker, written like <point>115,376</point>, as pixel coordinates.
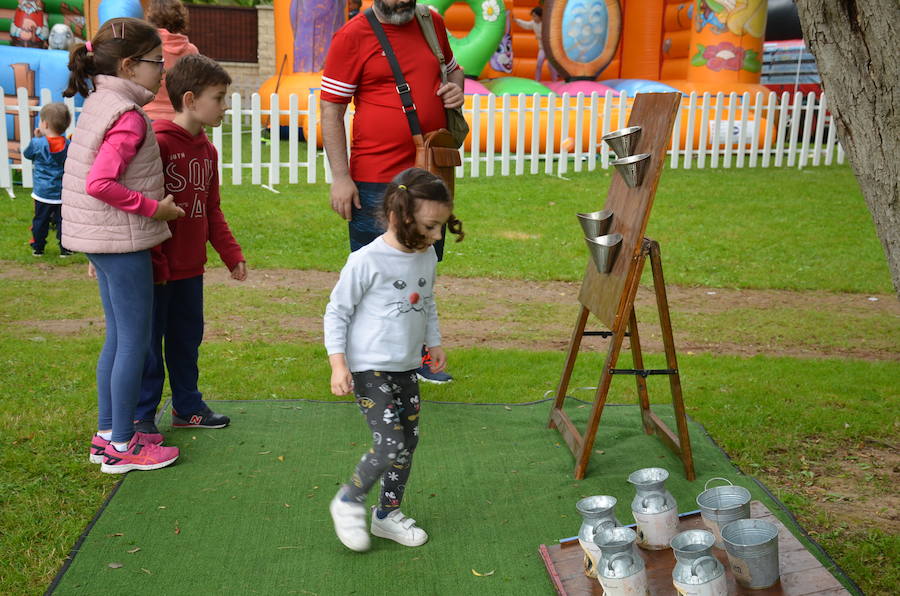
<point>498,313</point>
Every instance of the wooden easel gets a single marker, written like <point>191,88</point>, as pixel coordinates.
<point>610,297</point>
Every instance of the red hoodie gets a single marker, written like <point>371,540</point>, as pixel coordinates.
<point>174,45</point>
<point>190,164</point>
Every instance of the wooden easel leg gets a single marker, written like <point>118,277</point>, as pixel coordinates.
<point>638,358</point>
<point>574,346</point>
<point>590,433</point>
<point>665,322</point>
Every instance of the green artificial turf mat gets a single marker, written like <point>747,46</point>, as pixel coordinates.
<point>245,509</point>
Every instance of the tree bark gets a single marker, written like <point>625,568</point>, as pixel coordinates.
<point>855,45</point>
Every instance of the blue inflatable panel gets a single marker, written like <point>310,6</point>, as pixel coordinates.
<point>51,71</point>
<point>631,87</point>
<point>111,9</point>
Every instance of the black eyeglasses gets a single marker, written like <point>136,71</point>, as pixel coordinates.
<point>158,63</point>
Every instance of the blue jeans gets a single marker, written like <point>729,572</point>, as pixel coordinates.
<point>177,321</point>
<point>126,290</point>
<point>364,225</point>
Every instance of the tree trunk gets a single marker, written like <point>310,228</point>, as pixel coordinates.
<point>855,45</point>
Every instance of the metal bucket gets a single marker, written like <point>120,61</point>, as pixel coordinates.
<point>633,168</point>
<point>752,547</point>
<point>596,223</point>
<point>624,140</point>
<point>604,250</point>
<point>721,505</point>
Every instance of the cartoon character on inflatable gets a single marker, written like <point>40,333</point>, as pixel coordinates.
<point>61,37</point>
<point>29,25</point>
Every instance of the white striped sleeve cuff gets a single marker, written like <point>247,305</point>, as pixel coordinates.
<point>338,88</point>
<point>448,68</point>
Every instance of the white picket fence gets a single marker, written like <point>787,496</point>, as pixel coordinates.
<point>521,134</point>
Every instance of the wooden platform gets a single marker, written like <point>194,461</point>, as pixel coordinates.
<point>801,573</point>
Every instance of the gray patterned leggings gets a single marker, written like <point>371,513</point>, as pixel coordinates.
<point>390,403</point>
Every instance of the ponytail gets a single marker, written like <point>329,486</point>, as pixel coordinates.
<point>399,201</point>
<point>81,68</point>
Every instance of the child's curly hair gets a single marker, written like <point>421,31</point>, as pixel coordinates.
<point>400,200</point>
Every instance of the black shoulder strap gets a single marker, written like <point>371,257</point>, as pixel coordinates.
<point>409,108</point>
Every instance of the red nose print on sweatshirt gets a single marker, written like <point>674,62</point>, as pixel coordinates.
<point>414,298</point>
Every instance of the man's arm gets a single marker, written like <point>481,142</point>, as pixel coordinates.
<point>334,137</point>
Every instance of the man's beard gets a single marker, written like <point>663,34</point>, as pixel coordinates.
<point>399,14</point>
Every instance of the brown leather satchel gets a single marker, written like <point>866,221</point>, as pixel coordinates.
<point>437,152</point>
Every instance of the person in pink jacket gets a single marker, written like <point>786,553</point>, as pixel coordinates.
<point>115,212</point>
<point>171,18</point>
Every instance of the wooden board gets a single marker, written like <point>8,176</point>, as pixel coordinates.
<point>801,573</point>
<point>604,293</point>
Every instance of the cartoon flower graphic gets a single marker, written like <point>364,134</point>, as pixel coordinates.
<point>393,476</point>
<point>726,56</point>
<point>490,10</point>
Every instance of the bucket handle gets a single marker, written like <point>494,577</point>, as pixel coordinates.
<point>700,561</point>
<point>617,556</point>
<point>706,486</point>
<point>652,496</point>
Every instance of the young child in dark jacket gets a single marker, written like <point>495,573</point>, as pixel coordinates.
<point>197,87</point>
<point>47,151</point>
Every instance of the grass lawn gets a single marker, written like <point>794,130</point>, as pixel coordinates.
<point>818,431</point>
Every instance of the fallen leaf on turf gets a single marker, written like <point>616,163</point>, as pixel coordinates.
<point>287,504</point>
<point>280,458</point>
<point>147,571</point>
<point>507,408</point>
<point>491,572</point>
<point>264,453</point>
<point>118,565</point>
<point>134,550</point>
<point>177,527</point>
<point>114,535</point>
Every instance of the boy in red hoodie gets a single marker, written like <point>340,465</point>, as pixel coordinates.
<point>197,87</point>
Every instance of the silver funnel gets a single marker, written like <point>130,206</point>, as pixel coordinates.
<point>624,140</point>
<point>604,250</point>
<point>596,223</point>
<point>633,168</point>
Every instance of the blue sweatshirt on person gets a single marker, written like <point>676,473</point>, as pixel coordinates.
<point>48,170</point>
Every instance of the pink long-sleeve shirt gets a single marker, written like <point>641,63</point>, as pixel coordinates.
<point>120,145</point>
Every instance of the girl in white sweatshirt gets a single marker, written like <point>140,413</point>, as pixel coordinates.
<point>381,312</point>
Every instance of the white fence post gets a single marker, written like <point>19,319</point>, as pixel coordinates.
<point>475,137</point>
<point>312,134</point>
<point>236,165</point>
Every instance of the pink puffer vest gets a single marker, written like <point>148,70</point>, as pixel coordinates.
<point>93,226</point>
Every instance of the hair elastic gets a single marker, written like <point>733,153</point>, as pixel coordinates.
<point>401,186</point>
<point>89,47</point>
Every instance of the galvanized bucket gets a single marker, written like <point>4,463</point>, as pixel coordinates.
<point>721,505</point>
<point>752,547</point>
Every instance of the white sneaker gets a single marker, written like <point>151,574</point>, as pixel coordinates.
<point>399,528</point>
<point>350,523</point>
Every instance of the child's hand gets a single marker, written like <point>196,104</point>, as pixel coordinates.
<point>92,273</point>
<point>341,379</point>
<point>239,272</point>
<point>438,359</point>
<point>38,132</point>
<point>167,210</point>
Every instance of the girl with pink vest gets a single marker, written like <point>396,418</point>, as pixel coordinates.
<point>115,213</point>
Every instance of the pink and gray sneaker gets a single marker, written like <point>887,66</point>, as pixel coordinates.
<point>138,456</point>
<point>98,444</point>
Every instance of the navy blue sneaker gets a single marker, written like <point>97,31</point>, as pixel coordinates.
<point>205,418</point>
<point>424,373</point>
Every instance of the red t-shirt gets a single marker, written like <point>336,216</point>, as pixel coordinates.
<point>356,68</point>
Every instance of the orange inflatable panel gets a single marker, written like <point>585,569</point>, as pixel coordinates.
<point>676,17</point>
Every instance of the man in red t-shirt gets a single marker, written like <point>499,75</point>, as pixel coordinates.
<point>382,145</point>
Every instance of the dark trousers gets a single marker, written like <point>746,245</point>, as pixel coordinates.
<point>390,403</point>
<point>44,215</point>
<point>365,226</point>
<point>175,339</point>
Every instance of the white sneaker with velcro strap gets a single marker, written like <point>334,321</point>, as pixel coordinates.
<point>349,523</point>
<point>399,528</point>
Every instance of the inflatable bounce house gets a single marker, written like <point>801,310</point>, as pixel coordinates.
<point>540,47</point>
